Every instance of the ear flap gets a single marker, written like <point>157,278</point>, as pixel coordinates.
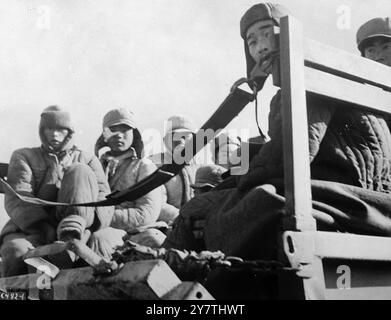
<point>99,144</point>
<point>138,143</point>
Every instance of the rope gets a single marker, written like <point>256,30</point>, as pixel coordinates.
<point>193,266</point>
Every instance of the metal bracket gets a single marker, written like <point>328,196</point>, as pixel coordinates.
<point>299,249</point>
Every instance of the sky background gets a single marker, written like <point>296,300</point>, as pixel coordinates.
<point>157,57</point>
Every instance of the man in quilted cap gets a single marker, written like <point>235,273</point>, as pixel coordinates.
<point>263,17</point>
<point>124,166</point>
<point>224,148</point>
<point>177,191</point>
<point>56,171</point>
<point>350,157</point>
<point>207,177</point>
<point>374,40</point>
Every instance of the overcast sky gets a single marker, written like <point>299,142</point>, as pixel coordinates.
<point>158,58</point>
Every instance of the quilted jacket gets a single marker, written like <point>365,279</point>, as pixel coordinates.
<point>123,172</point>
<point>351,147</point>
<point>177,191</point>
<point>37,172</point>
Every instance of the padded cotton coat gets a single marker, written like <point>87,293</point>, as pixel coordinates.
<point>37,172</point>
<point>349,146</point>
<point>143,211</point>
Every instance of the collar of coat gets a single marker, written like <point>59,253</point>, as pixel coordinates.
<point>60,154</point>
<point>131,153</point>
<point>111,163</point>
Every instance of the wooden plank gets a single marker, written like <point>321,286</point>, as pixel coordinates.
<point>345,90</point>
<point>370,293</point>
<point>368,267</point>
<point>346,64</point>
<point>335,245</point>
<point>150,279</point>
<point>351,246</point>
<point>345,273</point>
<point>295,132</point>
<point>296,155</point>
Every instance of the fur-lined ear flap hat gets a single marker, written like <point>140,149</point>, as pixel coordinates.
<point>259,12</point>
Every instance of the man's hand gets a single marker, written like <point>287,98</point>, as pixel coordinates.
<point>263,69</point>
<point>168,213</point>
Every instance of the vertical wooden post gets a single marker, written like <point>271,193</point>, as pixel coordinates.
<point>309,282</point>
<point>295,132</point>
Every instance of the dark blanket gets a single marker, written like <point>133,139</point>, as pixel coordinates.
<point>246,224</point>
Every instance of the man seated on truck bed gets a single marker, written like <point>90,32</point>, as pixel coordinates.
<point>177,191</point>
<point>56,171</point>
<point>350,156</point>
<point>125,165</point>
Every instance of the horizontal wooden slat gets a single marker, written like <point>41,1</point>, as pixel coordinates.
<point>302,246</point>
<point>351,246</point>
<point>346,64</point>
<point>346,90</point>
<point>358,273</point>
<point>370,293</point>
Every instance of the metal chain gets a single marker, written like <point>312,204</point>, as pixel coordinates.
<point>193,265</point>
<point>258,266</point>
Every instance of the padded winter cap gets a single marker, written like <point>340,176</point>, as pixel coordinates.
<point>225,138</point>
<point>259,12</point>
<point>56,117</point>
<point>377,27</point>
<point>119,116</point>
<point>208,176</point>
<point>179,124</point>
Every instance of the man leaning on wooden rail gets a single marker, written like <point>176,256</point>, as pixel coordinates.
<point>350,157</point>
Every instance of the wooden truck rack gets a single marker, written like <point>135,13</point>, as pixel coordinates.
<point>309,67</point>
<point>306,68</point>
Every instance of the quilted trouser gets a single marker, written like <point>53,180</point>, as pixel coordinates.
<point>78,185</point>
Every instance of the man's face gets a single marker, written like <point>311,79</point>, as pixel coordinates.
<point>261,41</point>
<point>379,50</point>
<point>121,138</point>
<point>226,153</point>
<point>176,139</point>
<point>55,137</point>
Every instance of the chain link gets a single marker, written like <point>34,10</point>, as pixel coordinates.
<point>258,266</point>
<point>193,265</point>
